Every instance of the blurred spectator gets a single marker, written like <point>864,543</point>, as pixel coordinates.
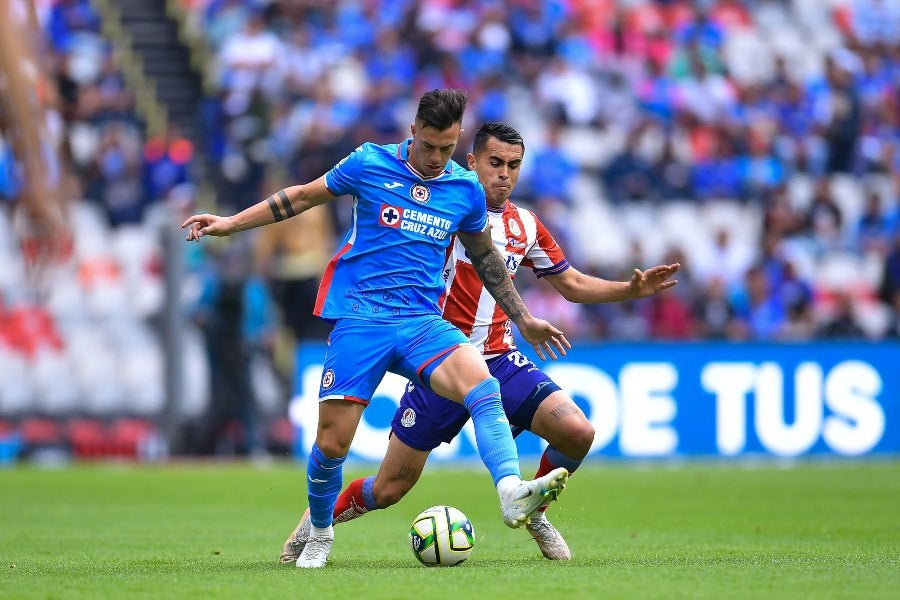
<point>544,300</point>
<point>843,118</point>
<point>672,173</point>
<point>875,22</point>
<point>707,95</point>
<point>248,56</point>
<point>167,163</point>
<point>719,176</point>
<point>630,175</point>
<point>656,91</point>
<point>889,287</point>
<point>725,260</point>
<point>713,312</point>
<point>843,323</point>
<point>567,94</point>
<point>627,321</point>
<point>758,310</point>
<point>113,100</point>
<point>236,319</point>
<point>795,292</point>
<point>876,227</point>
<point>551,171</point>
<point>761,171</point>
<point>823,221</point>
<point>293,255</point>
<point>671,318</point>
<point>68,19</point>
<point>118,175</point>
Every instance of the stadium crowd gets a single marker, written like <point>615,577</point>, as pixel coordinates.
<point>755,142</point>
<point>772,126</point>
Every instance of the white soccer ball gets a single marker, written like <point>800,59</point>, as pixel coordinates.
<point>442,536</point>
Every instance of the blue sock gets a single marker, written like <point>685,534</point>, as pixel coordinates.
<point>368,493</point>
<point>558,459</point>
<point>324,476</point>
<point>492,434</point>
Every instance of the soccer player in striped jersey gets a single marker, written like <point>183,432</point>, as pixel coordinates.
<point>381,289</point>
<point>531,400</point>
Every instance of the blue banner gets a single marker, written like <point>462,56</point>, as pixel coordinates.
<point>670,400</point>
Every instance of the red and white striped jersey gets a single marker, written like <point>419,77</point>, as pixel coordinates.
<point>522,240</point>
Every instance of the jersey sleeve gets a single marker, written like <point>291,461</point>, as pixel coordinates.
<point>476,220</point>
<point>545,257</point>
<point>343,177</point>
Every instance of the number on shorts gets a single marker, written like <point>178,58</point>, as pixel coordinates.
<point>518,359</point>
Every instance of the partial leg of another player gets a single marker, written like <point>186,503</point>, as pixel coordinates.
<point>464,377</point>
<point>569,435</point>
<point>400,470</point>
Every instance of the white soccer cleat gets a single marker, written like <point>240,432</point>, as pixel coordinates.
<point>528,496</point>
<point>315,552</point>
<point>295,543</point>
<point>548,539</point>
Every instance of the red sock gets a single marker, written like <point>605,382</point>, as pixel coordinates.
<point>350,503</point>
<point>545,467</point>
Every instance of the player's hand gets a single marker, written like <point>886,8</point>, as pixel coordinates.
<point>646,283</point>
<point>543,337</point>
<point>206,224</point>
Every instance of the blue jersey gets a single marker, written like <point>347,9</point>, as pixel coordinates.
<point>389,264</point>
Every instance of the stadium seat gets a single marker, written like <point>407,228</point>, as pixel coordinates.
<point>41,431</point>
<point>56,389</point>
<point>89,438</point>
<point>129,437</point>
<point>16,387</point>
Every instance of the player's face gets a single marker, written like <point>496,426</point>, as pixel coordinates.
<point>498,166</point>
<point>431,149</point>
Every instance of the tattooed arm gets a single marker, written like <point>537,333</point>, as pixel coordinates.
<point>491,269</point>
<point>281,205</point>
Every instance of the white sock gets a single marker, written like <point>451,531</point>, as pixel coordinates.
<point>507,484</point>
<point>321,532</point>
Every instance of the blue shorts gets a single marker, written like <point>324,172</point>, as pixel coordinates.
<point>424,419</point>
<point>361,352</point>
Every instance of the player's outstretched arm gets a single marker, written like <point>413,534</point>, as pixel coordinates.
<point>281,205</point>
<point>491,268</point>
<point>577,287</point>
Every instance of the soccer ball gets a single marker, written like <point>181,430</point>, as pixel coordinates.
<point>442,536</point>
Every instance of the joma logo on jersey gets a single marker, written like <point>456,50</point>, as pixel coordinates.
<point>390,216</point>
<point>420,193</point>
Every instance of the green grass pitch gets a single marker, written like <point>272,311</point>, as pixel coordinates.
<point>721,530</point>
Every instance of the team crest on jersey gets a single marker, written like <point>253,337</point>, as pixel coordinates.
<point>409,418</point>
<point>327,379</point>
<point>390,216</point>
<point>514,227</point>
<point>420,193</point>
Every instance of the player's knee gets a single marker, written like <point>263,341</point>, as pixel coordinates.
<point>578,439</point>
<point>333,447</point>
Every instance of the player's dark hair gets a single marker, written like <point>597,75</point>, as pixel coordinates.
<point>502,131</point>
<point>441,108</point>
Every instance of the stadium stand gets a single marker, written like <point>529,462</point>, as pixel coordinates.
<point>755,140</point>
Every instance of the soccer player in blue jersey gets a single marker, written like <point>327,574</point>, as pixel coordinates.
<point>381,289</point>
<point>532,400</point>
